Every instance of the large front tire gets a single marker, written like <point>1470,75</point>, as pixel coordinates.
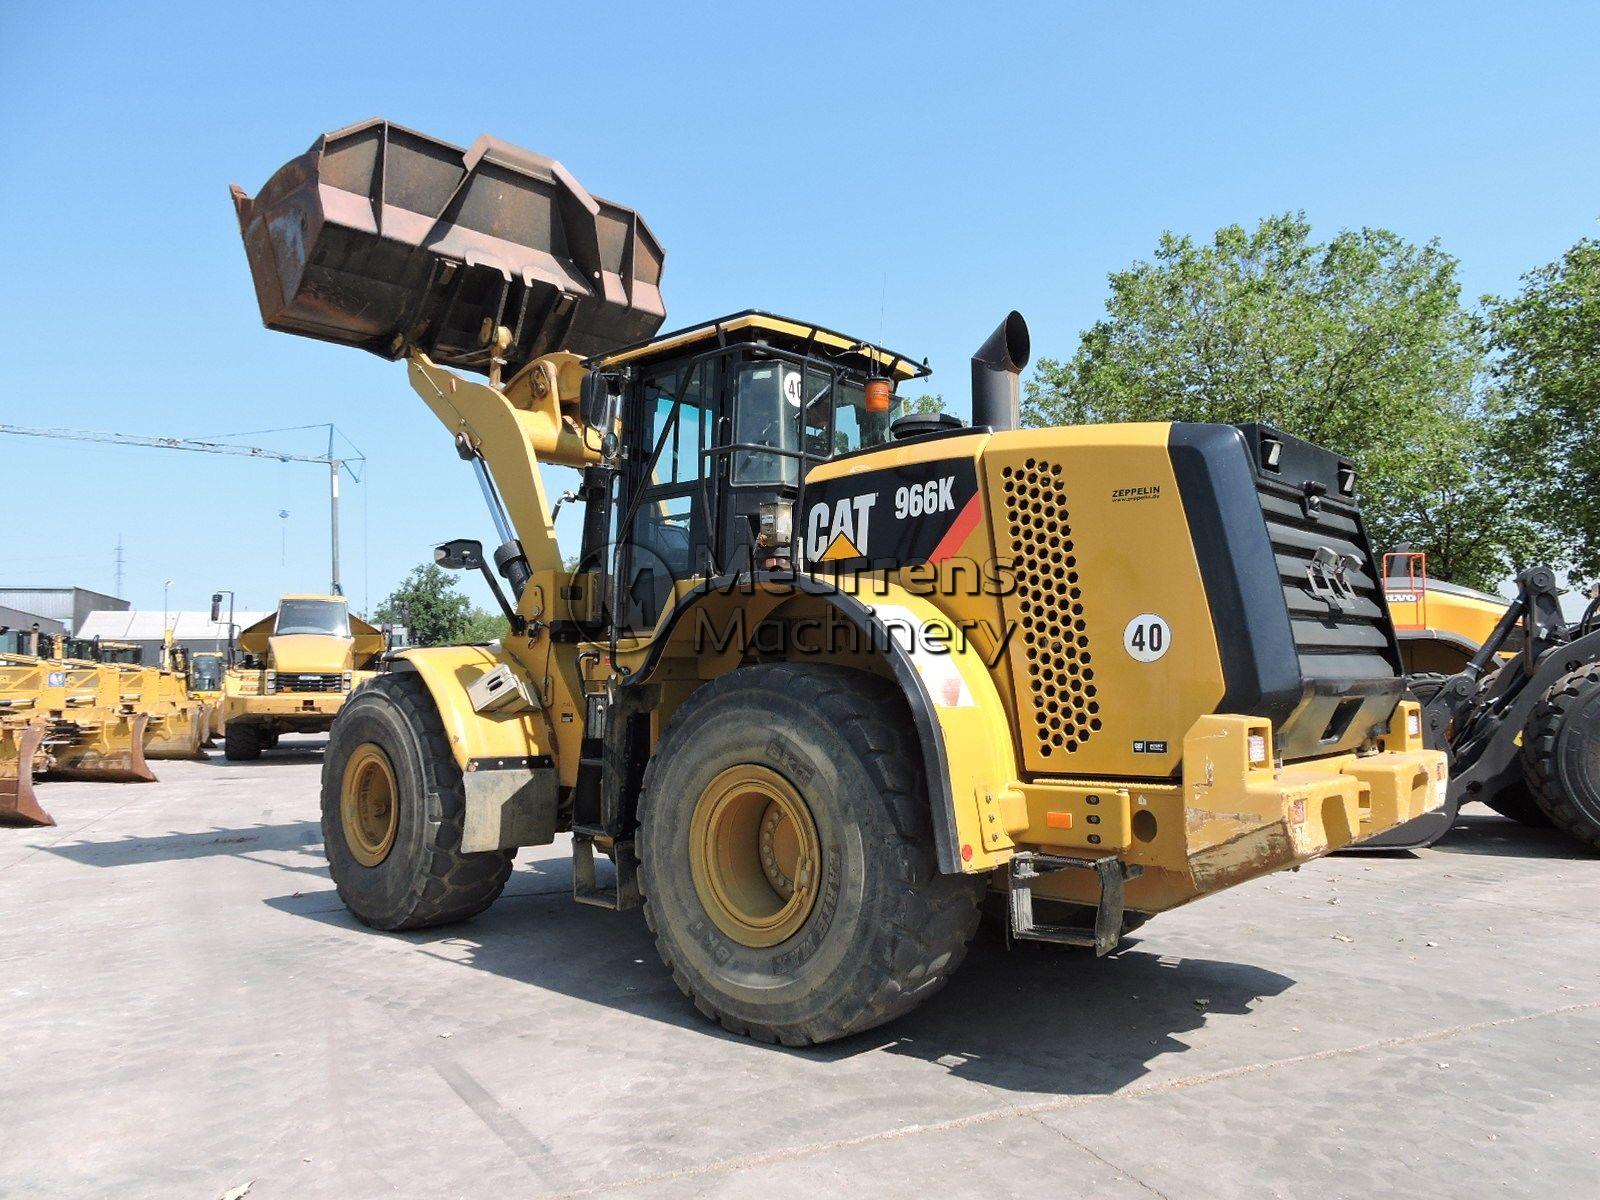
<point>1561,753</point>
<point>392,810</point>
<point>241,742</point>
<point>786,856</point>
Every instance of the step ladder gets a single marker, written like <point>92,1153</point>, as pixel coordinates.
<point>1113,873</point>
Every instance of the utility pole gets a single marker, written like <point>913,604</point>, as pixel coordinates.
<point>333,509</point>
<point>333,463</point>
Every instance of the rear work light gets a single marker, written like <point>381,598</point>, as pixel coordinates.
<point>1258,749</point>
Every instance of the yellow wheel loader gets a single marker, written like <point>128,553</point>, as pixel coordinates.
<point>827,674</point>
<point>1511,690</point>
<point>294,672</point>
<point>204,669</point>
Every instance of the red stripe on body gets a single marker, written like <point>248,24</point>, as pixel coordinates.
<point>960,529</point>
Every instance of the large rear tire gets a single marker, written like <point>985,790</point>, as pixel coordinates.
<point>241,742</point>
<point>787,860</point>
<point>392,810</point>
<point>1561,753</point>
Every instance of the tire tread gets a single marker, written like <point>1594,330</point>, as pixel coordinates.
<point>922,943</point>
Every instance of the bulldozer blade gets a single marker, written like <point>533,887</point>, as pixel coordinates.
<point>123,761</point>
<point>177,735</point>
<point>19,805</point>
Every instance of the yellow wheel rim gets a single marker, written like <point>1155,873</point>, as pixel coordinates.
<point>754,854</point>
<point>369,805</point>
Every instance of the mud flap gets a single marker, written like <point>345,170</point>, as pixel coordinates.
<point>19,805</point>
<point>511,802</point>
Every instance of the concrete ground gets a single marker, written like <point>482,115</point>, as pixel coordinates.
<point>188,1008</point>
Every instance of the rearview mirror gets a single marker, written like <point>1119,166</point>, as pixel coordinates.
<point>463,554</point>
<point>594,403</point>
<point>216,607</point>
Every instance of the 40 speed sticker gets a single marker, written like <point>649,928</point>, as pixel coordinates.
<point>1147,637</point>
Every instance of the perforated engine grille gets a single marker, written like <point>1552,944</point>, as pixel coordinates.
<point>1050,603</point>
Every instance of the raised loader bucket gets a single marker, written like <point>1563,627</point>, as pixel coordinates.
<point>386,239</point>
<point>19,805</point>
<point>114,755</point>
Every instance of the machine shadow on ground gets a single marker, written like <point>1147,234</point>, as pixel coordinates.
<point>242,841</point>
<point>1480,831</point>
<point>1093,1026</point>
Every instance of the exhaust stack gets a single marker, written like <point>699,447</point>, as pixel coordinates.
<point>997,372</point>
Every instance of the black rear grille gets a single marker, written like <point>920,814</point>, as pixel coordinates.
<point>1338,618</point>
<point>1340,626</point>
<point>1302,629</point>
<point>310,682</point>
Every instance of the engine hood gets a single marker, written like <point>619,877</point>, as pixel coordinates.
<point>309,652</point>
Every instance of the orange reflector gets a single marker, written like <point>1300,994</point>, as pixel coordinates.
<point>877,395</point>
<point>1058,820</point>
<point>966,852</point>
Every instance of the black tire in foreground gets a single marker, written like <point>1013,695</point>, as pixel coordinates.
<point>1561,753</point>
<point>825,759</point>
<point>392,810</point>
<point>241,742</point>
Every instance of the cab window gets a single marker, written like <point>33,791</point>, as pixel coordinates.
<point>854,427</point>
<point>327,617</point>
<point>767,402</point>
<point>680,456</point>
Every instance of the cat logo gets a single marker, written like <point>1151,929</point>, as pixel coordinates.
<point>838,532</point>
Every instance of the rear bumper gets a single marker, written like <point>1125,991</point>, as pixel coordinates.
<point>1243,821</point>
<point>1231,820</point>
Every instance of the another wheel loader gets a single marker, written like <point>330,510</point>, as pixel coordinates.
<point>1511,690</point>
<point>827,672</point>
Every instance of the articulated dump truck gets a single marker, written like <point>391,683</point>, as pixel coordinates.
<point>64,717</point>
<point>829,676</point>
<point>296,668</point>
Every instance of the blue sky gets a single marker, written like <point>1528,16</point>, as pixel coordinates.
<point>906,174</point>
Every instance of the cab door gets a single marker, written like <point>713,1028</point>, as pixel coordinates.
<point>675,413</point>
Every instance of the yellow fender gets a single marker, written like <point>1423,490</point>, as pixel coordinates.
<point>960,720</point>
<point>448,671</point>
<point>508,769</point>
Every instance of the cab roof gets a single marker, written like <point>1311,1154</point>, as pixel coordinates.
<point>313,596</point>
<point>753,325</point>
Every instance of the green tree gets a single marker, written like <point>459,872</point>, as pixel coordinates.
<point>1546,342</point>
<point>1359,343</point>
<point>480,627</point>
<point>429,606</point>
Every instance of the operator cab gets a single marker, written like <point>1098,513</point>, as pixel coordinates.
<point>721,423</point>
<point>324,615</point>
